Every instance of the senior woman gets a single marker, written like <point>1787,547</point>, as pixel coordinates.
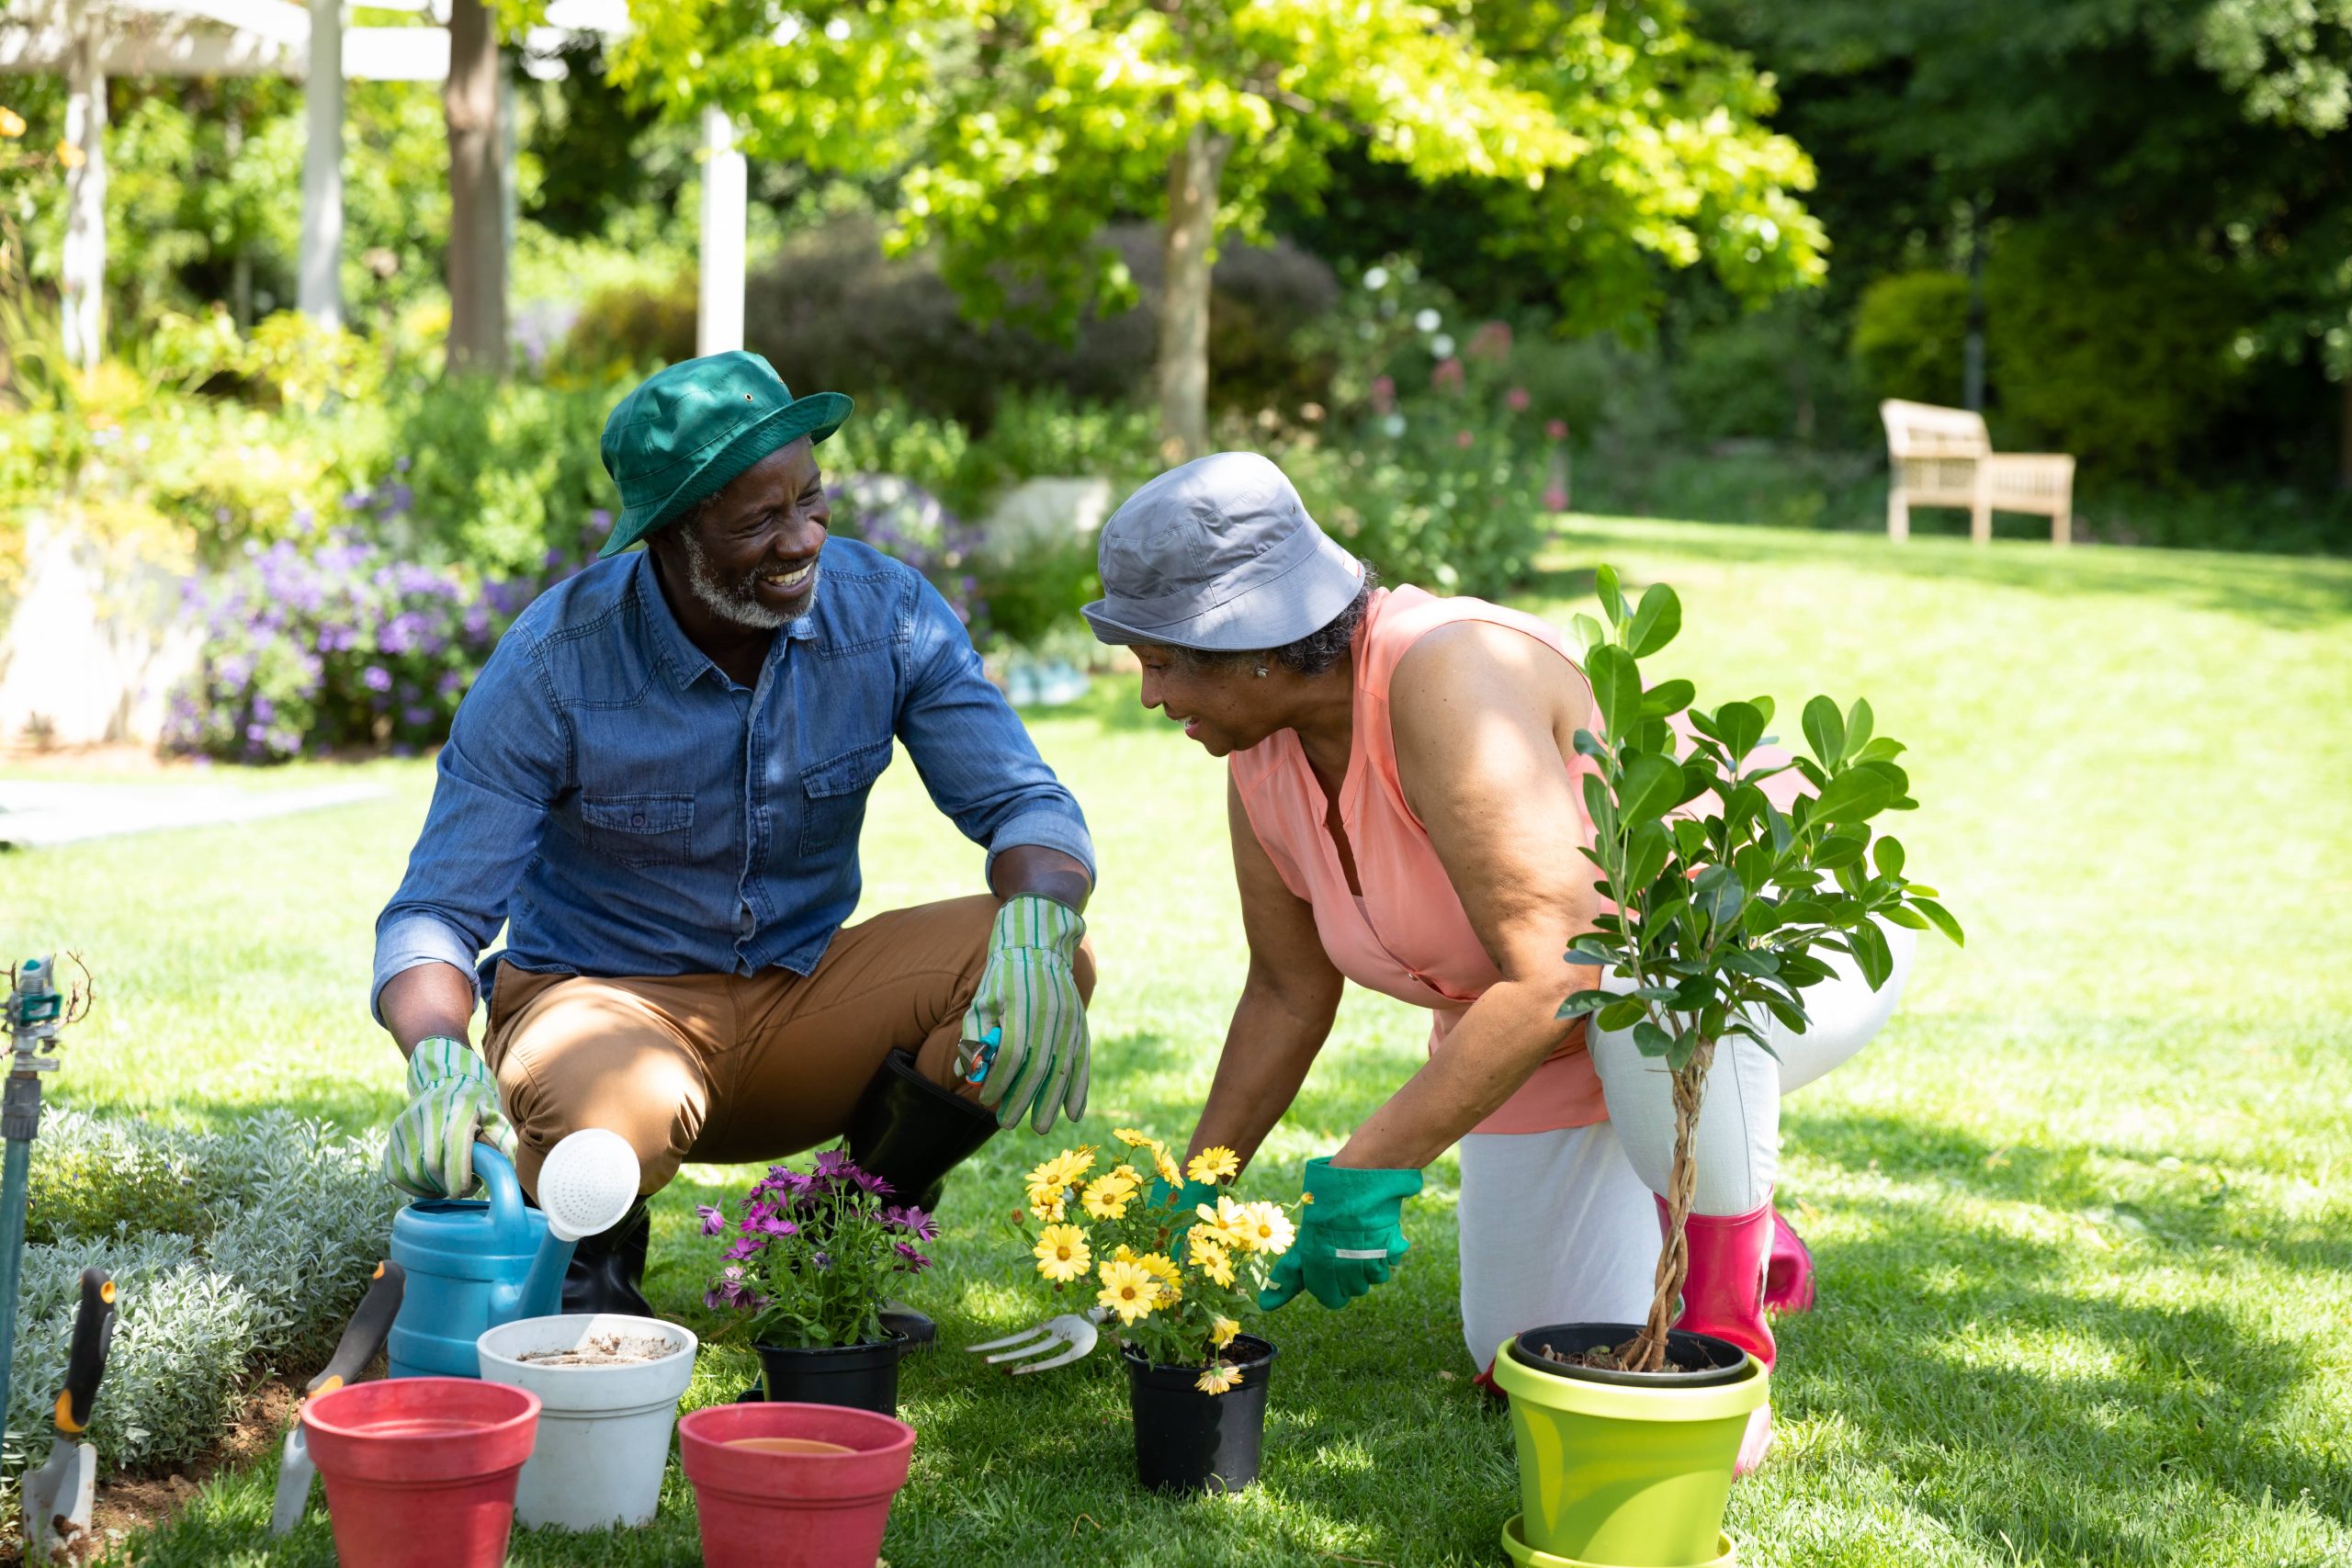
<point>1403,811</point>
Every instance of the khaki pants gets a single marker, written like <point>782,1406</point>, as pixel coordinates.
<point>728,1068</point>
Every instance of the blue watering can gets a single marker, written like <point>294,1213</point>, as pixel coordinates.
<point>472,1265</point>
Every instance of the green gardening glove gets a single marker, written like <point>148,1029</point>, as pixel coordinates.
<point>452,1101</point>
<point>1189,1197</point>
<point>1350,1235</point>
<point>1025,1034</point>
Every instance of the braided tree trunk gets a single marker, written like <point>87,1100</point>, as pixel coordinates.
<point>1646,1351</point>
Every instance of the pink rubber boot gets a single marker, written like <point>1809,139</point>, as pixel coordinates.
<point>1723,1295</point>
<point>1788,1275</point>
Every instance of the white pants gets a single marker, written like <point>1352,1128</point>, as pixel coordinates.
<point>1561,1226</point>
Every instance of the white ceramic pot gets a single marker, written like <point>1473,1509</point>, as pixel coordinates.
<point>604,1430</point>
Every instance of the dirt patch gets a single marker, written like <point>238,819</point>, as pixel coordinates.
<point>128,1503</point>
<point>607,1350</point>
<point>1611,1358</point>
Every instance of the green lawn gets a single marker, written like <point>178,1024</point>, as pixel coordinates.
<point>2082,1214</point>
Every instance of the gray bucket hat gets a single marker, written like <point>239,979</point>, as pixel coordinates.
<point>1219,555</point>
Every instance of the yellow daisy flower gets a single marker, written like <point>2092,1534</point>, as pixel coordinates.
<point>1046,1202</point>
<point>1232,1221</point>
<point>1128,1289</point>
<point>1163,1269</point>
<point>1218,1164</point>
<point>1062,1253</point>
<point>1211,1258</point>
<point>1271,1231</point>
<point>1166,1169</point>
<point>12,124</point>
<point>1106,1196</point>
<point>1223,1331</point>
<point>1135,1137</point>
<point>1218,1379</point>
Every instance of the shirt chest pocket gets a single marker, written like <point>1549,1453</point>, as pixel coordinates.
<point>639,829</point>
<point>835,792</point>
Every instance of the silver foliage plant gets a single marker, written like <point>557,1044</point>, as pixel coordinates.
<point>1721,911</point>
<point>289,1217</point>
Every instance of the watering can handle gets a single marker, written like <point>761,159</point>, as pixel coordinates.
<point>505,1193</point>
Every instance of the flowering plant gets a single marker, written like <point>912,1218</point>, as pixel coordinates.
<point>810,1254</point>
<point>1176,1279</point>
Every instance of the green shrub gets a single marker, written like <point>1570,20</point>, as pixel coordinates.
<point>287,1218</point>
<point>1028,591</point>
<point>1910,334</point>
<point>2114,350</point>
<point>504,477</point>
<point>1049,435</point>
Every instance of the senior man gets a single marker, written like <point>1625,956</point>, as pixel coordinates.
<point>658,783</point>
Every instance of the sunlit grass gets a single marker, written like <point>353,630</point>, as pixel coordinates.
<point>2082,1214</point>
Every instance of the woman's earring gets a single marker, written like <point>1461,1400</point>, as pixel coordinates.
<point>1260,672</point>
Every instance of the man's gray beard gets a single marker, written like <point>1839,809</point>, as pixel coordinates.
<point>741,603</point>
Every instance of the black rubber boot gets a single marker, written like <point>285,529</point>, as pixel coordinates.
<point>607,1270</point>
<point>911,1133</point>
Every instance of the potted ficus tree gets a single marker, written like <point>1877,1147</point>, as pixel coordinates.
<point>1175,1281</point>
<point>810,1257</point>
<point>1723,905</point>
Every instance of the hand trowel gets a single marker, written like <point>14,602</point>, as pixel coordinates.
<point>362,1338</point>
<point>57,1496</point>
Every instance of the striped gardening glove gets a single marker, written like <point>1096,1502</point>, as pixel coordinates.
<point>1025,1034</point>
<point>452,1101</point>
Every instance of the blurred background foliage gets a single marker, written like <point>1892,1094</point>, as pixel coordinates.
<point>2141,210</point>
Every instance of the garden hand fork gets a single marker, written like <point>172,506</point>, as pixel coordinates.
<point>1075,1329</point>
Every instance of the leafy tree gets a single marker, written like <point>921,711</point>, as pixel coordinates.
<point>1018,129</point>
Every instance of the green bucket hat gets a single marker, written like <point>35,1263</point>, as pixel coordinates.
<point>689,428</point>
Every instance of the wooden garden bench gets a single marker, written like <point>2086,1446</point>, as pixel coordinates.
<point>1943,457</point>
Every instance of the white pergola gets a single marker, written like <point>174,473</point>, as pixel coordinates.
<point>89,40</point>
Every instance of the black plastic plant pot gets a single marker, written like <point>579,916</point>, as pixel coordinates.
<point>860,1377</point>
<point>1694,1361</point>
<point>1190,1441</point>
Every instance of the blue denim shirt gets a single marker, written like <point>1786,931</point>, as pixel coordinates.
<point>627,808</point>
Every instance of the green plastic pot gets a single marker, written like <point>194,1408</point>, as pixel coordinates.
<point>1515,1546</point>
<point>1625,1475</point>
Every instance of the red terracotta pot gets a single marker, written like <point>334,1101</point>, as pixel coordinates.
<point>421,1472</point>
<point>763,1509</point>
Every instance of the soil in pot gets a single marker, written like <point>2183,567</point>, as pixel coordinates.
<point>1628,1468</point>
<point>604,1350</point>
<point>761,1507</point>
<point>1187,1440</point>
<point>856,1377</point>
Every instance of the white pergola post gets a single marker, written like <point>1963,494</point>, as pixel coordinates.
<point>320,263</point>
<point>85,259</point>
<point>718,317</point>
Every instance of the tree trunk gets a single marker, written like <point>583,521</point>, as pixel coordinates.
<point>1183,364</point>
<point>477,260</point>
<point>1645,1352</point>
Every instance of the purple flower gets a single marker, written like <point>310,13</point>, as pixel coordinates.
<point>911,1218</point>
<point>821,1260</point>
<point>376,678</point>
<point>714,1220</point>
<point>776,1226</point>
<point>743,1246</point>
<point>865,1182</point>
<point>916,1261</point>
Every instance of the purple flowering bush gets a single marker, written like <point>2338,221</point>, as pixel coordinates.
<point>810,1255</point>
<point>904,520</point>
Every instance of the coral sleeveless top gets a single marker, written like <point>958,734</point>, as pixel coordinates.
<point>1407,936</point>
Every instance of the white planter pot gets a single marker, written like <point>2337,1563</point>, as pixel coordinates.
<point>604,1431</point>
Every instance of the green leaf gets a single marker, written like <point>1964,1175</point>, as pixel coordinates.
<point>1904,916</point>
<point>1824,732</point>
<point>1763,705</point>
<point>1887,855</point>
<point>1837,851</point>
<point>1652,787</point>
<point>1651,1040</point>
<point>1599,806</point>
<point>1612,598</point>
<point>1787,1012</point>
<point>1855,795</point>
<point>1668,697</point>
<point>1942,919</point>
<point>1716,893</point>
<point>1868,944</point>
<point>1624,1013</point>
<point>1647,848</point>
<point>1857,728</point>
<point>1617,688</point>
<point>1579,1003</point>
<point>1761,918</point>
<point>1589,633</point>
<point>1880,751</point>
<point>1657,620</point>
<point>1741,726</point>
